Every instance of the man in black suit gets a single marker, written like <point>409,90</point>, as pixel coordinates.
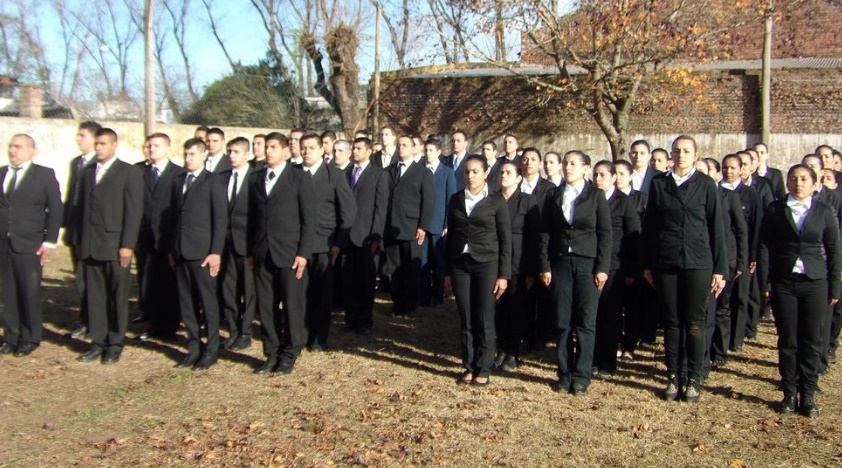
<point>388,155</point>
<point>510,149</point>
<point>111,206</point>
<point>295,146</point>
<point>197,228</point>
<point>489,151</point>
<point>336,209</point>
<point>258,150</point>
<point>282,225</point>
<point>774,176</point>
<point>410,211</point>
<point>238,297</point>
<point>30,218</point>
<point>456,161</point>
<point>342,155</point>
<point>642,172</point>
<point>157,279</point>
<point>85,142</point>
<point>370,186</point>
<point>217,161</point>
<point>328,139</point>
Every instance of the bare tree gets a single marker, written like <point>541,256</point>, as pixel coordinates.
<point>210,8</point>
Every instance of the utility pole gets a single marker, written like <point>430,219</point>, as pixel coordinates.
<point>149,36</point>
<point>766,85</point>
<point>377,68</point>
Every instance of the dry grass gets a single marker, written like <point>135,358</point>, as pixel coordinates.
<point>387,400</point>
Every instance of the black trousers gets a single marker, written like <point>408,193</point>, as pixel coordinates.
<point>319,298</point>
<point>431,285</point>
<point>609,321</point>
<point>473,286</point>
<point>107,288</point>
<point>740,309</point>
<point>510,316</point>
<point>196,287</point>
<point>160,294</point>
<point>686,295</point>
<point>575,297</point>
<point>238,297</point>
<point>835,328</point>
<point>282,304</point>
<point>632,315</point>
<point>79,281</point>
<point>801,308</point>
<point>651,311</point>
<point>20,280</point>
<point>359,279</point>
<point>141,261</point>
<point>720,339</point>
<point>403,263</point>
<point>756,303</point>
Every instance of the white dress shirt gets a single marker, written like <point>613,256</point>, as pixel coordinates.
<point>270,181</point>
<point>471,201</point>
<point>637,179</point>
<point>213,161</point>
<point>609,193</point>
<point>679,179</point>
<point>195,175</point>
<point>571,192</point>
<point>10,173</point>
<point>241,176</point>
<point>312,169</point>
<point>799,215</point>
<point>102,168</point>
<point>529,187</point>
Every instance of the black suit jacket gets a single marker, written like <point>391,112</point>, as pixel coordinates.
<point>487,232</point>
<point>542,189</point>
<point>589,234</point>
<point>70,219</point>
<point>650,174</point>
<point>764,192</point>
<point>377,159</point>
<point>458,172</point>
<point>493,179</point>
<point>335,206</point>
<point>625,233</point>
<point>412,202</point>
<point>199,219</point>
<point>525,221</point>
<point>817,244</point>
<point>776,182</point>
<point>110,211</point>
<point>639,199</point>
<point>736,229</point>
<point>753,212</point>
<point>238,210</point>
<point>33,214</point>
<point>224,164</point>
<point>157,204</point>
<point>372,194</point>
<point>832,199</point>
<point>282,223</point>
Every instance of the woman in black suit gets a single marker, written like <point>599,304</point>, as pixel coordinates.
<point>575,255</point>
<point>802,237</point>
<point>625,224</point>
<point>685,258</point>
<point>479,263</point>
<point>512,309</point>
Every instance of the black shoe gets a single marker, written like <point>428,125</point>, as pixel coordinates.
<point>188,361</point>
<point>563,387</point>
<point>285,365</point>
<point>112,357</point>
<point>242,342</point>
<point>718,363</point>
<point>25,349</point>
<point>268,366</point>
<point>671,392</point>
<point>736,349</point>
<point>208,359</point>
<point>476,383</point>
<point>498,360</point>
<point>94,353</point>
<point>787,405</point>
<point>229,342</point>
<point>604,374</point>
<point>579,389</point>
<point>831,356</point>
<point>79,332</point>
<point>509,364</point>
<point>316,348</point>
<point>7,349</point>
<point>693,392</point>
<point>808,407</point>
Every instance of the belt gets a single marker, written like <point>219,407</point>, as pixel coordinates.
<point>798,277</point>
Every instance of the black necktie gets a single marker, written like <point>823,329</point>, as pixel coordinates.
<point>155,175</point>
<point>271,175</point>
<point>400,170</point>
<point>14,182</point>
<point>234,189</point>
<point>188,183</point>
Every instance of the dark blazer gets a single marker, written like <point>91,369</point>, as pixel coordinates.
<point>224,164</point>
<point>336,208</point>
<point>764,192</point>
<point>70,219</point>
<point>157,203</point>
<point>458,172</point>
<point>238,210</point>
<point>683,227</point>
<point>589,235</point>
<point>753,213</point>
<point>33,214</point>
<point>110,211</point>
<point>776,182</point>
<point>493,179</point>
<point>444,183</point>
<point>372,196</point>
<point>817,244</point>
<point>832,199</point>
<point>199,220</point>
<point>487,232</point>
<point>412,202</point>
<point>377,159</point>
<point>542,189</point>
<point>625,233</point>
<point>639,199</point>
<point>736,229</point>
<point>525,220</point>
<point>282,223</point>
<point>650,174</point>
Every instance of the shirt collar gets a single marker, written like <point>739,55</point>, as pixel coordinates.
<point>315,167</point>
<point>627,190</point>
<point>23,166</point>
<point>791,202</point>
<point>363,165</point>
<point>241,171</point>
<point>482,193</point>
<point>578,188</point>
<point>680,180</point>
<point>88,157</point>
<point>161,166</point>
<point>107,164</point>
<point>277,170</point>
<point>749,181</point>
<point>197,172</point>
<point>434,165</point>
<point>730,186</point>
<point>609,193</point>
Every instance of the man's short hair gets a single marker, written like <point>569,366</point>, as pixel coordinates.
<point>202,128</point>
<point>310,136</point>
<point>216,131</point>
<point>159,135</point>
<point>279,137</point>
<point>107,132</point>
<point>196,142</point>
<point>365,141</point>
<point>341,144</point>
<point>240,142</point>
<point>91,126</point>
<point>329,134</point>
<point>434,142</point>
<point>490,142</point>
<point>460,132</point>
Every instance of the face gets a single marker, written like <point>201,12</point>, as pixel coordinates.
<point>327,145</point>
<point>551,166</point>
<point>294,143</point>
<point>258,147</point>
<point>623,177</point>
<point>159,149</point>
<point>701,166</point>
<point>745,171</point>
<point>573,169</point>
<point>683,155</point>
<point>85,140</point>
<point>215,143</point>
<point>531,164</point>
<point>105,147</point>
<point>417,147</point>
<point>341,154</point>
<point>755,160</point>
<point>194,158</point>
<point>20,150</point>
<point>489,152</point>
<point>639,156</point>
<point>474,175</point>
<point>800,184</point>
<point>238,155</point>
<point>814,164</point>
<point>432,153</point>
<point>837,162</point>
<point>460,143</point>
<point>360,154</point>
<point>762,153</point>
<point>509,177</point>
<point>276,153</point>
<point>406,149</point>
<point>827,156</point>
<point>311,151</point>
<point>387,137</point>
<point>146,151</point>
<point>660,161</point>
<point>829,179</point>
<point>602,178</point>
<point>712,172</point>
<point>510,145</point>
<point>731,169</point>
<point>202,135</point>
